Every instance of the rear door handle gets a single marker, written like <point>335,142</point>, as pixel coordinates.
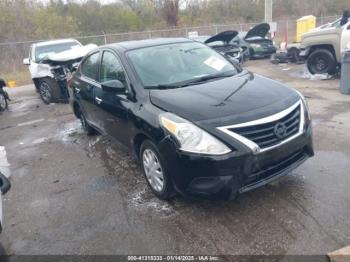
<point>98,100</point>
<point>77,90</point>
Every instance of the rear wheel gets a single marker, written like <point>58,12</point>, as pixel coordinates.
<point>322,61</point>
<point>155,171</point>
<point>3,102</point>
<point>49,90</point>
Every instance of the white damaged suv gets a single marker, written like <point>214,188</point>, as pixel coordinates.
<point>43,74</point>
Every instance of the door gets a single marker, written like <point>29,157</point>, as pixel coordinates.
<point>83,86</point>
<point>113,107</point>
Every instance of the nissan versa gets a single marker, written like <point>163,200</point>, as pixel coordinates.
<point>198,123</point>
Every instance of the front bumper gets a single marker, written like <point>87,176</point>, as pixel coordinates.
<point>234,173</point>
<point>263,52</point>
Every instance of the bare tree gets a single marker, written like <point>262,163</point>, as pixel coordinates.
<point>169,10</point>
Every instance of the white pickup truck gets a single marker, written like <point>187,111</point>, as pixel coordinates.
<point>323,46</point>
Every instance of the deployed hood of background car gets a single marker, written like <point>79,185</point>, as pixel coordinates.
<point>259,30</point>
<point>69,56</point>
<point>225,37</point>
<point>234,98</point>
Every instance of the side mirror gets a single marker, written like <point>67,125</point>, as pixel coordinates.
<point>5,184</point>
<point>26,61</point>
<point>348,28</point>
<point>114,86</point>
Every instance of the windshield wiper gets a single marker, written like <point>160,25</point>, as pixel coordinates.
<point>197,80</point>
<point>206,78</point>
<point>163,86</point>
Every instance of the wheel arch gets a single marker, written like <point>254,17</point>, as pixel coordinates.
<point>328,47</point>
<point>137,142</point>
<point>36,82</point>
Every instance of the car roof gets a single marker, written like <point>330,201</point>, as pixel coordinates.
<point>57,41</point>
<point>129,45</point>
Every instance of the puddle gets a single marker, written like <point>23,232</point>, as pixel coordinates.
<point>40,140</point>
<point>32,122</point>
<point>70,131</point>
<point>144,201</point>
<point>302,73</point>
<point>24,106</point>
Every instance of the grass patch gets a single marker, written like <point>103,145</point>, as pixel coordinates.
<point>20,77</point>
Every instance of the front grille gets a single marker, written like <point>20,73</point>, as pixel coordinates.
<point>272,133</point>
<point>274,169</point>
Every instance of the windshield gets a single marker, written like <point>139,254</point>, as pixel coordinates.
<point>43,51</point>
<point>178,63</point>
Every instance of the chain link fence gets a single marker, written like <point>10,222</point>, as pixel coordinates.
<point>12,54</point>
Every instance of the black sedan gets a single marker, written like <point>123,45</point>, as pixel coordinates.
<point>198,123</point>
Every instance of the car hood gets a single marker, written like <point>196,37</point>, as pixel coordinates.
<point>259,30</point>
<point>69,56</point>
<point>236,99</point>
<point>225,37</point>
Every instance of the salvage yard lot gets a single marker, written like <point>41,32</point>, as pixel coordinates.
<point>74,194</point>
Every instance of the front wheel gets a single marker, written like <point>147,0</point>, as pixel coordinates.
<point>3,102</point>
<point>322,61</point>
<point>49,90</point>
<point>155,171</point>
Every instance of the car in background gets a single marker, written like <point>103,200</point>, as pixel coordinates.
<point>222,44</point>
<point>256,42</point>
<point>323,46</point>
<point>198,123</point>
<point>44,76</point>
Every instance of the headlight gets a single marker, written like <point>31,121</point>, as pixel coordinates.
<point>306,106</point>
<point>192,138</point>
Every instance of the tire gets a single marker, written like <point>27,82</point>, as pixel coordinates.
<point>321,61</point>
<point>90,131</point>
<point>160,184</point>
<point>293,54</point>
<point>3,102</point>
<point>49,90</point>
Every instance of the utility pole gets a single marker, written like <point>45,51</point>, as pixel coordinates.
<point>268,11</point>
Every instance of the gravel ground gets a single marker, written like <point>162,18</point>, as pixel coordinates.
<point>74,194</point>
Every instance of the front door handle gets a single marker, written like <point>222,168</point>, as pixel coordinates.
<point>98,100</point>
